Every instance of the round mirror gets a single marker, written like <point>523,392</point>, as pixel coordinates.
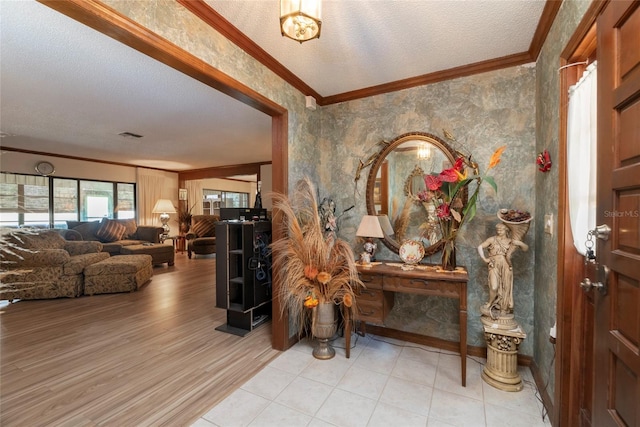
<point>395,180</point>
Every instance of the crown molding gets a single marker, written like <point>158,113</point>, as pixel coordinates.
<point>224,27</point>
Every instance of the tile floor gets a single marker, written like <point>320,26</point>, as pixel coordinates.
<point>384,383</point>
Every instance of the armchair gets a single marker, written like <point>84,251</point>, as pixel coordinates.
<point>202,237</point>
<point>42,264</point>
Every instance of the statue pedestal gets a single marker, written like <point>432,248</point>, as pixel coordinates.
<point>501,369</point>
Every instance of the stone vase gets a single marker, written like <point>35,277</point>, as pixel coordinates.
<point>323,326</point>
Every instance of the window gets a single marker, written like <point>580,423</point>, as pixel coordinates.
<point>227,199</point>
<point>96,200</point>
<point>26,200</point>
<point>65,201</point>
<point>126,207</point>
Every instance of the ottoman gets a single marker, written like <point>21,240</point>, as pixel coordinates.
<point>123,273</point>
<point>159,253</point>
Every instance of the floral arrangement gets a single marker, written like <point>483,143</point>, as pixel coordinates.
<point>311,266</point>
<point>184,218</point>
<point>445,189</point>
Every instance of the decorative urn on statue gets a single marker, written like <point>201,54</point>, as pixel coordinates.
<point>501,331</point>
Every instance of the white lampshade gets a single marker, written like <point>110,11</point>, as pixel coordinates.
<point>164,206</point>
<point>300,20</point>
<point>386,225</point>
<point>370,227</point>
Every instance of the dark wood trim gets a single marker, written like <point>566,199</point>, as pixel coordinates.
<point>205,12</point>
<point>113,24</point>
<point>220,24</point>
<point>119,27</point>
<point>222,171</point>
<point>213,172</point>
<point>84,159</point>
<point>453,346</point>
<point>452,73</point>
<point>280,158</point>
<point>547,400</point>
<point>577,44</point>
<point>549,13</point>
<point>581,46</point>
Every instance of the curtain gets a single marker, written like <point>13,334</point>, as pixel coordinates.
<point>195,195</point>
<point>581,156</point>
<point>149,191</point>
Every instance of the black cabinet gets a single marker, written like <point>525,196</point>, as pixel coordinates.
<point>243,274</point>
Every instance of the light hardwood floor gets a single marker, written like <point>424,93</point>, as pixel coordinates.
<point>152,357</point>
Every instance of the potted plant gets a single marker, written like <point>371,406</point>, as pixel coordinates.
<point>184,218</point>
<point>316,271</point>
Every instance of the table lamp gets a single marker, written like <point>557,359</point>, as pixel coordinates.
<point>369,229</point>
<point>164,207</point>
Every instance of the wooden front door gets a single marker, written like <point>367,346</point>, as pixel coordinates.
<point>617,312</point>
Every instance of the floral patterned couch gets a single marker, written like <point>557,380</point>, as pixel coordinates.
<point>40,264</point>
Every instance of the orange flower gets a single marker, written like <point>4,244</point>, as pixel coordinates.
<point>347,300</point>
<point>495,157</point>
<point>310,301</point>
<point>310,272</point>
<point>323,277</point>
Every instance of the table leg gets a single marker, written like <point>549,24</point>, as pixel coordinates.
<point>347,333</point>
<point>463,346</point>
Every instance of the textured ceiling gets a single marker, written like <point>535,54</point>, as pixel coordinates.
<point>67,89</point>
<point>368,43</point>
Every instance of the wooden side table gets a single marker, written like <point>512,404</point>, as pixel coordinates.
<point>384,280</point>
<point>179,242</point>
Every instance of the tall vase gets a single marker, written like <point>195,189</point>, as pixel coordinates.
<point>184,228</point>
<point>448,261</point>
<point>323,326</point>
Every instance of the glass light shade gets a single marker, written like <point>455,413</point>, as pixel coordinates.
<point>164,206</point>
<point>370,227</point>
<point>424,152</point>
<point>300,20</point>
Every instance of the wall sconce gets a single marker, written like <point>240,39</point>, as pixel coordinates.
<point>424,152</point>
<point>300,19</point>
<point>164,207</point>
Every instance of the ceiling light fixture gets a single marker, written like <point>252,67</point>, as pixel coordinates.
<point>424,152</point>
<point>300,19</point>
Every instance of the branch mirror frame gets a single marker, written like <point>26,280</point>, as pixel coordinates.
<point>383,179</point>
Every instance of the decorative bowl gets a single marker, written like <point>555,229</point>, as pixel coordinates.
<point>411,252</point>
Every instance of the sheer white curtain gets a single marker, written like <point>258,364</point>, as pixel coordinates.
<point>581,156</point>
<point>194,194</point>
<point>149,191</point>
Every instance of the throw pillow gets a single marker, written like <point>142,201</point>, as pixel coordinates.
<point>87,230</point>
<point>110,231</point>
<point>204,228</point>
<point>130,227</point>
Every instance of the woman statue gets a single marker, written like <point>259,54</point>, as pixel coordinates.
<point>500,248</point>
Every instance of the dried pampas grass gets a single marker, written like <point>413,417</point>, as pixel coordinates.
<point>305,263</point>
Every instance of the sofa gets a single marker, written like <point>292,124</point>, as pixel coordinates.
<point>40,264</point>
<point>112,233</point>
<point>201,238</point>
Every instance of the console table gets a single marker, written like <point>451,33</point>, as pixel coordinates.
<point>383,280</point>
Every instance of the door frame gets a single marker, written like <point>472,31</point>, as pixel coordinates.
<point>119,27</point>
<point>569,357</point>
